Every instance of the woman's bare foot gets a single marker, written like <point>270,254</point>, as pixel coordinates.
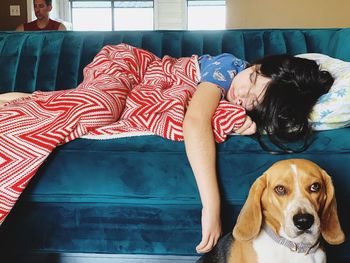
<point>2,103</point>
<point>211,230</point>
<point>7,97</point>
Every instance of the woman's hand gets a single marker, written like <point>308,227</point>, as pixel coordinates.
<point>211,230</point>
<point>248,127</point>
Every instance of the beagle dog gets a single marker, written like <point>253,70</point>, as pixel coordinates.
<point>287,210</point>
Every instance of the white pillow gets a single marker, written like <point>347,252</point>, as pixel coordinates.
<point>332,110</point>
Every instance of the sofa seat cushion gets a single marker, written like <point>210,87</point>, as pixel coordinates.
<point>153,168</point>
<point>81,201</point>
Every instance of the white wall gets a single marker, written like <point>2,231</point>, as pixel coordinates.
<point>288,14</point>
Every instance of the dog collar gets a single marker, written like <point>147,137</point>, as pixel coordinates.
<point>295,247</point>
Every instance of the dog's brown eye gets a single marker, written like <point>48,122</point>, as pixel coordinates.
<point>315,187</point>
<point>280,190</point>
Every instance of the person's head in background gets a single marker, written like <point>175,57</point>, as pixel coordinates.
<point>42,8</point>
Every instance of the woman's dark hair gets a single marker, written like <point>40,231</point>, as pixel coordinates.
<point>295,86</point>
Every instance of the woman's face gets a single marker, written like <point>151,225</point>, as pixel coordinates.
<point>248,88</point>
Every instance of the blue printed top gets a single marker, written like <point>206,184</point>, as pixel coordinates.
<point>220,70</point>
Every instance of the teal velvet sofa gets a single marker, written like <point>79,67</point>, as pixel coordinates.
<point>138,195</point>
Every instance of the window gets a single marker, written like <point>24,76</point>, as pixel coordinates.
<point>112,15</point>
<point>207,15</point>
<point>133,15</point>
<point>91,15</point>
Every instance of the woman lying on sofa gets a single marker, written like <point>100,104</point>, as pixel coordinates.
<point>278,93</point>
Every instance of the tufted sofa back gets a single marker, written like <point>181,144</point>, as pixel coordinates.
<point>32,61</point>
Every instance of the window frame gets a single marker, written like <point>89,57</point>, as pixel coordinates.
<point>112,7</point>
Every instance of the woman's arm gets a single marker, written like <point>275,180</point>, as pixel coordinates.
<point>201,153</point>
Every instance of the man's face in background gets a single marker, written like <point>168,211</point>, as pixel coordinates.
<point>41,9</point>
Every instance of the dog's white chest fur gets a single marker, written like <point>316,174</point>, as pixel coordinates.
<point>268,251</point>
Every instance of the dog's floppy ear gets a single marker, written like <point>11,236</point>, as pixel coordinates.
<point>249,220</point>
<point>330,226</point>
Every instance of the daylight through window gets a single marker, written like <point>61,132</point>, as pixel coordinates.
<point>112,15</point>
<point>206,15</point>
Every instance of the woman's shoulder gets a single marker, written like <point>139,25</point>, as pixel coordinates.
<point>217,57</point>
<point>223,59</point>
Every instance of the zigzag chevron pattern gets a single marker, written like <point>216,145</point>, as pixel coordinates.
<point>122,82</point>
<point>159,102</point>
<point>31,128</point>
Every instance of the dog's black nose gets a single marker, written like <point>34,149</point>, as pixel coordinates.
<point>303,221</point>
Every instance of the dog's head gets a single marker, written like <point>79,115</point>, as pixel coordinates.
<point>296,199</point>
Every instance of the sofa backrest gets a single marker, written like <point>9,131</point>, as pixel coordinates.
<point>47,61</point>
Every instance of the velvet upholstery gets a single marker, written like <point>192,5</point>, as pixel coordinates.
<point>54,60</point>
<point>138,195</point>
